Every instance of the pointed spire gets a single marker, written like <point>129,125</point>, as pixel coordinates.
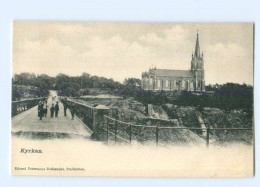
<point>197,47</point>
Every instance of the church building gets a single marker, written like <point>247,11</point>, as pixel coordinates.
<point>177,80</point>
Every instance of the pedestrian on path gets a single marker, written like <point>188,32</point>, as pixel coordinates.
<point>39,105</point>
<point>40,110</point>
<point>45,108</point>
<point>65,108</point>
<point>57,108</point>
<point>52,110</point>
<point>72,111</point>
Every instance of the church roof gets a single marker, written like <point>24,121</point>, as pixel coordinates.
<point>172,73</point>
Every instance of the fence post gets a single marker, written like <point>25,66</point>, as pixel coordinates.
<point>107,130</point>
<point>157,134</point>
<point>130,137</point>
<point>115,130</point>
<point>207,138</point>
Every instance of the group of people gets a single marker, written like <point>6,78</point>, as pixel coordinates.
<point>43,109</point>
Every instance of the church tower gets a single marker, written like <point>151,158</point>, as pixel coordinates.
<point>197,67</point>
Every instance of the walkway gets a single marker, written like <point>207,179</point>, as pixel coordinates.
<point>28,121</point>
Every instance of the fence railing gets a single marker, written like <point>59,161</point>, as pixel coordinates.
<point>92,116</point>
<point>111,127</point>
<point>83,111</point>
<point>23,105</point>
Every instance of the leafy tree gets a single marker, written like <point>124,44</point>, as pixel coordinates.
<point>66,85</point>
<point>15,94</point>
<point>132,82</point>
<point>233,96</point>
<point>24,78</point>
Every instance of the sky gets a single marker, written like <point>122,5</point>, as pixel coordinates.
<point>122,50</point>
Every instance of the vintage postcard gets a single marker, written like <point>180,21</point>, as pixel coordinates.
<point>132,99</point>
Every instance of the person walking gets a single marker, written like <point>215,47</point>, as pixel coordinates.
<point>65,108</point>
<point>57,108</point>
<point>39,105</point>
<point>40,110</point>
<point>72,111</point>
<point>45,108</point>
<point>52,110</point>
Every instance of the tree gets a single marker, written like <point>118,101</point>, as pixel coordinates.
<point>235,96</point>
<point>132,82</point>
<point>15,94</point>
<point>25,79</point>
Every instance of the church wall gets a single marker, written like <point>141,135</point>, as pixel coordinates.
<point>174,83</point>
<point>168,83</point>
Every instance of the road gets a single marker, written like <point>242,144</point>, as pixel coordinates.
<point>28,122</point>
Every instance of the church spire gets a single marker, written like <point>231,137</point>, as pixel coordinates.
<point>197,47</point>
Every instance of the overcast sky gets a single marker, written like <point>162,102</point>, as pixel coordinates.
<point>123,50</point>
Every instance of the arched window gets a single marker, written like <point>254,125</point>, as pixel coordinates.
<point>186,85</point>
<point>151,81</point>
<point>191,84</point>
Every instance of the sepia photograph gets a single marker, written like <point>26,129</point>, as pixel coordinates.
<point>132,99</point>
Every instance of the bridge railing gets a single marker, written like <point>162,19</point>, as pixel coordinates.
<point>90,115</point>
<point>119,131</point>
<point>23,105</point>
<point>83,111</point>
